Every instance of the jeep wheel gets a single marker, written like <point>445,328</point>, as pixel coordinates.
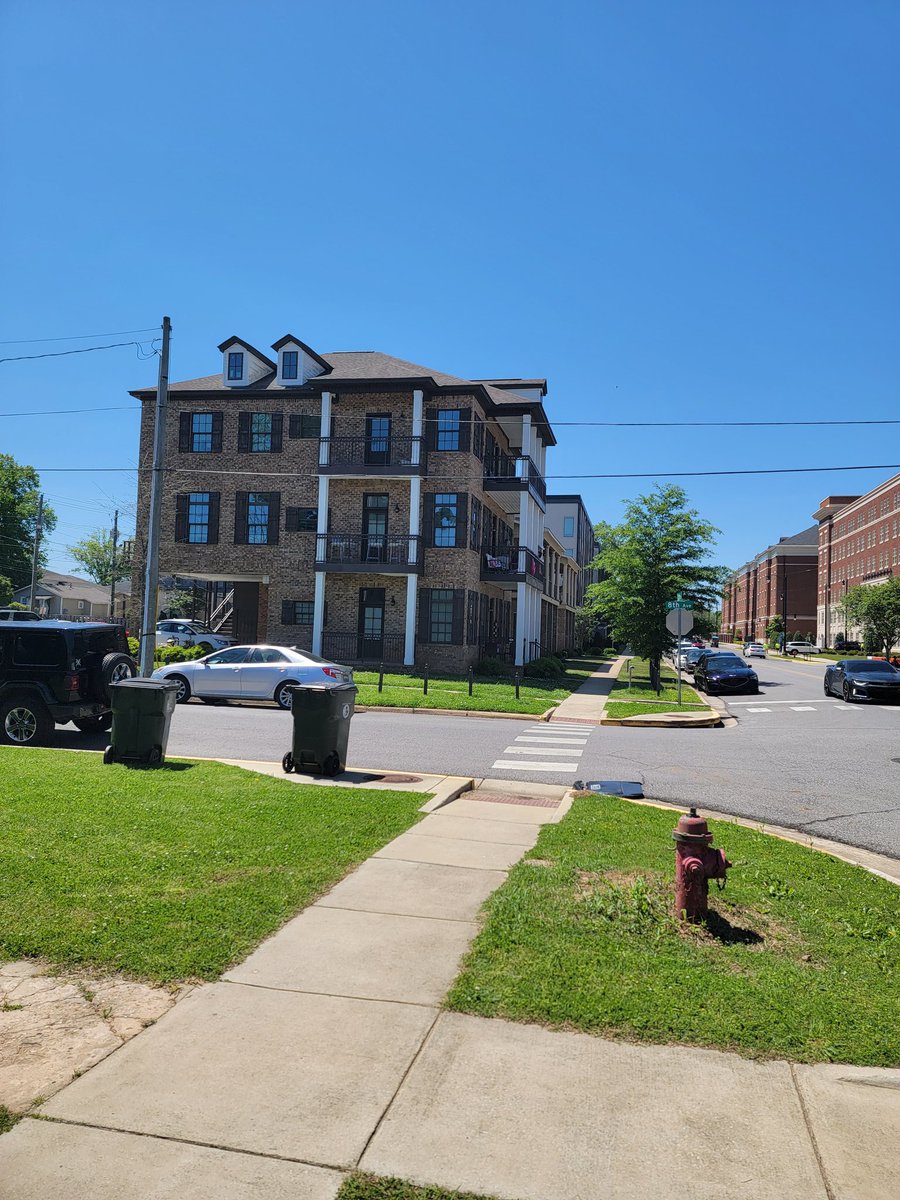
<point>24,721</point>
<point>94,724</point>
<point>115,668</point>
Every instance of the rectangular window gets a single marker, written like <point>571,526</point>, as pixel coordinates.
<point>260,431</point>
<point>289,362</point>
<point>448,425</point>
<point>475,525</point>
<point>568,526</point>
<point>297,612</point>
<point>201,431</point>
<point>446,508</point>
<point>235,365</point>
<point>301,520</point>
<point>303,426</point>
<point>478,437</point>
<point>198,517</point>
<point>258,518</point>
<point>442,615</point>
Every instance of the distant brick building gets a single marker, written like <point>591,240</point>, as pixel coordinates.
<point>780,579</point>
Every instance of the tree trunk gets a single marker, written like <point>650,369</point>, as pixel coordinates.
<point>654,674</point>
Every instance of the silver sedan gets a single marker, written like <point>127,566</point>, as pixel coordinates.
<point>252,673</point>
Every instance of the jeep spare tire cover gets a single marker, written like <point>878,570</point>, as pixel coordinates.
<point>115,668</point>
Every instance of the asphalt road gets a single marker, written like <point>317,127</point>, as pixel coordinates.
<point>794,757</point>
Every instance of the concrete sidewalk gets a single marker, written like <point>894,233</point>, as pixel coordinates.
<point>588,703</point>
<point>327,1049</point>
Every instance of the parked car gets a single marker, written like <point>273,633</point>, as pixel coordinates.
<point>190,633</point>
<point>53,672</point>
<point>18,614</point>
<point>794,648</point>
<point>848,648</point>
<point>754,650</point>
<point>724,673</point>
<point>692,657</point>
<point>862,679</point>
<point>252,673</point>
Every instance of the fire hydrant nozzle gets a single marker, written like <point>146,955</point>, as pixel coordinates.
<point>696,862</point>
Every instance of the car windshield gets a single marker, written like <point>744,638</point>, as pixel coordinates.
<point>721,661</point>
<point>866,666</point>
<point>198,627</point>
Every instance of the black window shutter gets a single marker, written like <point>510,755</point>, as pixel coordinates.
<point>465,429</point>
<point>459,613</point>
<point>243,432</point>
<point>181,518</point>
<point>462,521</point>
<point>294,428</point>
<point>217,419</point>
<point>213,534</point>
<point>291,520</point>
<point>277,430</point>
<point>274,517</point>
<point>241,502</point>
<point>424,633</point>
<point>184,432</point>
<point>475,526</point>
<point>428,518</point>
<point>430,428</point>
<point>287,612</point>
<point>478,437</point>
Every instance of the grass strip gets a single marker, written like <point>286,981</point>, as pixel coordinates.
<point>640,684</point>
<point>169,873</point>
<point>371,1187</point>
<point>645,708</point>
<point>800,959</point>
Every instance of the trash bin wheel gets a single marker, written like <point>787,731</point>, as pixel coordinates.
<point>287,763</point>
<point>154,756</point>
<point>108,755</point>
<point>331,765</point>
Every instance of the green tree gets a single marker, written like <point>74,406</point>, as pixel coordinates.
<point>6,590</point>
<point>95,554</point>
<point>657,551</point>
<point>19,491</point>
<point>774,630</point>
<point>875,608</point>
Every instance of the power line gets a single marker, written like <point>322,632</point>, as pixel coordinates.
<point>707,424</point>
<point>78,337</point>
<point>64,412</point>
<point>83,350</point>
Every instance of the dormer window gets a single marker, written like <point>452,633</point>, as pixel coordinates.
<point>235,365</point>
<point>289,364</point>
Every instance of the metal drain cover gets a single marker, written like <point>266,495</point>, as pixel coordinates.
<point>628,789</point>
<point>398,778</point>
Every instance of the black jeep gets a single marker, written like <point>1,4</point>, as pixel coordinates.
<point>52,672</point>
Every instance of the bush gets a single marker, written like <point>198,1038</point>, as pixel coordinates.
<point>175,654</point>
<point>134,647</point>
<point>492,667</point>
<point>545,667</point>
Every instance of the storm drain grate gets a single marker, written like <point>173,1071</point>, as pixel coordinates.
<point>397,778</point>
<point>505,798</point>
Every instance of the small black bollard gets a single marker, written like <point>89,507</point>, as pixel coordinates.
<point>425,681</point>
<point>517,685</point>
<point>381,677</point>
<point>470,680</point>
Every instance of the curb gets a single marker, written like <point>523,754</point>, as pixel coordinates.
<point>456,712</point>
<point>671,720</point>
<point>445,792</point>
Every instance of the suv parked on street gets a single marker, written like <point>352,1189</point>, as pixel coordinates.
<point>53,672</point>
<point>794,648</point>
<point>18,614</point>
<point>190,633</point>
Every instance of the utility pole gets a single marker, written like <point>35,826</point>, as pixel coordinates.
<point>784,611</point>
<point>38,525</point>
<point>112,583</point>
<point>151,570</point>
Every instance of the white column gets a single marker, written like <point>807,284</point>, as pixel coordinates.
<point>318,612</point>
<point>418,402</point>
<point>409,645</point>
<point>521,623</point>
<point>415,496</point>
<point>325,429</point>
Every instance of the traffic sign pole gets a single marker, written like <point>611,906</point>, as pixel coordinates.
<point>678,659</point>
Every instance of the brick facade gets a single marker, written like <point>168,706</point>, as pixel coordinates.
<point>783,574</point>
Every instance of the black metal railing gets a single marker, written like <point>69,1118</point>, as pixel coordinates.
<point>391,451</point>
<point>504,650</point>
<point>396,550</point>
<point>511,563</point>
<point>355,648</point>
<point>503,470</point>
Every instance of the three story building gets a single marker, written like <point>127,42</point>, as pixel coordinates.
<point>355,504</point>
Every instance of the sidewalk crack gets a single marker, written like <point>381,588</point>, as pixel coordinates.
<point>829,1191</point>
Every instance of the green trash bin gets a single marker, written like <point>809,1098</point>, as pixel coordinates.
<point>321,717</point>
<point>141,715</point>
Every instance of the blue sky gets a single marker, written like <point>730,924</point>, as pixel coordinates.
<point>672,211</point>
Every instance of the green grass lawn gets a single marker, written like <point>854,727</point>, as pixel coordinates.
<point>172,873</point>
<point>641,689</point>
<point>370,1187</point>
<point>644,708</point>
<point>488,695</point>
<point>801,960</point>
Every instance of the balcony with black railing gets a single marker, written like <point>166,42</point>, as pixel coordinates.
<point>382,554</point>
<point>391,455</point>
<point>347,648</point>
<point>513,473</point>
<point>511,564</point>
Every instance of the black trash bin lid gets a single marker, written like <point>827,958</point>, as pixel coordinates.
<point>155,685</point>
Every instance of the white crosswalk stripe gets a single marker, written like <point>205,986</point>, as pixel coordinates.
<point>503,765</point>
<point>802,708</point>
<point>556,747</point>
<point>538,750</point>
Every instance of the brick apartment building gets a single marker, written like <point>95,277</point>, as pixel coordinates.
<point>361,506</point>
<point>859,543</point>
<point>783,577</point>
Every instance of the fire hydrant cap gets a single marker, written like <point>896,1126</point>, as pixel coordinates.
<point>691,828</point>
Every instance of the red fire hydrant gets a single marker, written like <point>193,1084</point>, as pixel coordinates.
<point>695,864</point>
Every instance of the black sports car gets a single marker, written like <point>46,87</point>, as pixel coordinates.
<point>863,679</point>
<point>725,673</point>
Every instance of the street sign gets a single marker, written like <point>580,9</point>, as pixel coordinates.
<point>678,621</point>
<point>673,604</point>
